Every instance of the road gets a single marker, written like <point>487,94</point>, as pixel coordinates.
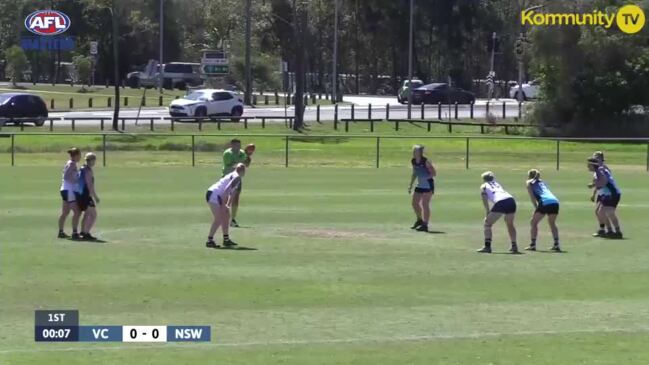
<point>359,108</point>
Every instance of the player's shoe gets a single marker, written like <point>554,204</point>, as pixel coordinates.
<point>514,250</point>
<point>555,248</point>
<point>600,233</point>
<point>75,236</point>
<point>418,223</point>
<point>422,228</point>
<point>62,235</point>
<point>211,244</point>
<point>616,235</point>
<point>234,223</point>
<point>485,249</point>
<point>530,248</point>
<point>229,244</point>
<point>88,237</point>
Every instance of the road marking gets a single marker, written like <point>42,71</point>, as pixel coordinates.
<point>330,341</point>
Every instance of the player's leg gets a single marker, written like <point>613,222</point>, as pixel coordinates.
<point>489,221</point>
<point>65,211</point>
<point>604,224</point>
<point>534,229</point>
<point>216,223</point>
<point>612,217</point>
<point>90,217</point>
<point>225,220</point>
<point>552,221</point>
<point>511,229</point>
<point>235,207</point>
<point>76,216</point>
<point>425,207</point>
<point>416,207</point>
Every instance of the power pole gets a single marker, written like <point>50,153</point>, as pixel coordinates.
<point>115,39</point>
<point>299,33</point>
<point>334,76</point>
<point>162,71</point>
<point>247,96</point>
<point>410,41</point>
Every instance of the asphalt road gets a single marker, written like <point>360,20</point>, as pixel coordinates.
<point>358,108</point>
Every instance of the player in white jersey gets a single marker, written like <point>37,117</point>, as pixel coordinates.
<point>503,203</point>
<point>69,182</point>
<point>219,197</point>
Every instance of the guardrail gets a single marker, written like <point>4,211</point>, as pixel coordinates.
<point>287,139</point>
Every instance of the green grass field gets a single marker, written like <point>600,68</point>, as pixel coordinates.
<point>336,276</point>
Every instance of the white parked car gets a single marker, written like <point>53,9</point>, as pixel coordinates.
<point>208,102</point>
<point>530,90</point>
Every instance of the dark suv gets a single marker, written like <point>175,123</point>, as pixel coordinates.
<point>22,107</point>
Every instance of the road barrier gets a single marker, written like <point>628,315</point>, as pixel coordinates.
<point>467,141</point>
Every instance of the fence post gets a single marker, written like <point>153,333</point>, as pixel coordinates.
<point>172,123</point>
<point>71,103</point>
<point>101,123</point>
<point>520,111</point>
<point>126,101</point>
<point>52,104</point>
<point>353,113</point>
<point>13,149</point>
<point>193,151</point>
<point>486,113</point>
<point>456,110</point>
<point>317,113</point>
<point>439,110</point>
<point>558,154</point>
<point>396,125</point>
<point>347,126</point>
<point>123,124</point>
<point>103,149</point>
<point>286,151</point>
<point>466,157</point>
<point>387,111</point>
<point>336,116</point>
<point>90,102</point>
<point>263,123</point>
<point>422,111</point>
<point>151,125</point>
<point>51,124</point>
<point>200,124</point>
<point>450,127</point>
<point>276,98</point>
<point>504,110</point>
<point>109,103</point>
<point>372,125</point>
<point>73,124</point>
<point>369,111</point>
<point>265,99</point>
<point>471,109</point>
<point>378,146</point>
<point>245,123</point>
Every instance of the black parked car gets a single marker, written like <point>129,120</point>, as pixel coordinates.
<point>22,107</point>
<point>441,93</point>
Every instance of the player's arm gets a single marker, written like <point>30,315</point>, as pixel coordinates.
<point>485,201</point>
<point>431,169</point>
<point>412,180</point>
<point>530,192</point>
<point>91,186</point>
<point>231,188</point>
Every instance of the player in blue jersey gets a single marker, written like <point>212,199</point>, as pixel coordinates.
<point>607,195</point>
<point>545,203</point>
<point>424,172</point>
<point>87,197</point>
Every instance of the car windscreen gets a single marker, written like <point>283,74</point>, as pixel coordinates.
<point>4,98</point>
<point>178,68</point>
<point>195,96</point>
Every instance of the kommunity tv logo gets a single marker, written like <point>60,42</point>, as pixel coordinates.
<point>629,19</point>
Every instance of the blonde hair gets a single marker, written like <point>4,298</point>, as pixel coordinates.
<point>90,156</point>
<point>534,174</point>
<point>488,176</point>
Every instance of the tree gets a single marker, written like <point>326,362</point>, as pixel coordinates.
<point>16,63</point>
<point>82,70</point>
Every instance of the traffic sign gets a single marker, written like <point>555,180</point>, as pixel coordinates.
<point>215,69</point>
<point>93,47</point>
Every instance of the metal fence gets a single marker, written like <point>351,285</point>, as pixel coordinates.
<point>465,142</point>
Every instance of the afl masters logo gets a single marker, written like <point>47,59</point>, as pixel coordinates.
<point>47,22</point>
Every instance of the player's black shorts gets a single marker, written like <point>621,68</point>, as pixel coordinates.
<point>68,196</point>
<point>506,206</point>
<point>548,209</point>
<point>609,200</point>
<point>429,189</point>
<point>84,201</point>
<point>208,195</point>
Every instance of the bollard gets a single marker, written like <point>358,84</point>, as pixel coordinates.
<point>336,116</point>
<point>101,123</point>
<point>369,111</point>
<point>263,123</point>
<point>353,112</point>
<point>123,124</point>
<point>504,110</point>
<point>126,101</point>
<point>422,111</point>
<point>371,125</point>
<point>109,102</point>
<point>396,125</point>
<point>52,104</point>
<point>317,113</point>
<point>387,111</point>
<point>151,125</point>
<point>471,109</point>
<point>254,99</point>
<point>71,103</point>
<point>73,124</point>
<point>487,109</point>
<point>90,102</point>
<point>51,124</point>
<point>160,100</point>
<point>346,126</point>
<point>265,99</point>
<point>520,111</point>
<point>439,110</point>
<point>173,119</point>
<point>456,115</point>
<point>276,98</point>
<point>313,100</point>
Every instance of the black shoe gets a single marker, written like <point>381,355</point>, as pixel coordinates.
<point>229,244</point>
<point>62,235</point>
<point>616,235</point>
<point>600,233</point>
<point>211,244</point>
<point>485,249</point>
<point>514,250</point>
<point>418,223</point>
<point>530,248</point>
<point>555,248</point>
<point>234,223</point>
<point>88,237</point>
<point>422,228</point>
<point>75,236</point>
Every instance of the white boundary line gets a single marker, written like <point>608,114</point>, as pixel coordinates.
<point>324,341</point>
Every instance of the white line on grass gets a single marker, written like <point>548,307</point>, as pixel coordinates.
<point>326,341</point>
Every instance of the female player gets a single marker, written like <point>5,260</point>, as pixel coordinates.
<point>607,195</point>
<point>545,203</point>
<point>219,197</point>
<point>85,195</point>
<point>69,183</point>
<point>424,172</point>
<point>503,204</point>
<point>231,157</point>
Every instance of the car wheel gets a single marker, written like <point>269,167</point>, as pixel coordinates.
<point>201,112</point>
<point>236,112</point>
<point>518,94</point>
<point>39,122</point>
